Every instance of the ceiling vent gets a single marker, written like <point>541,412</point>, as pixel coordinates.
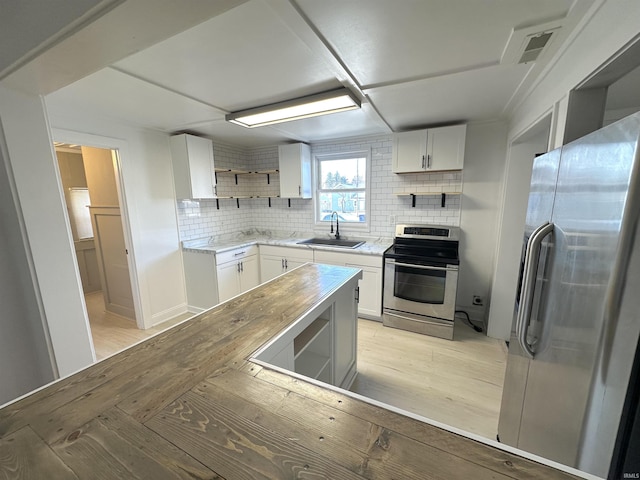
<point>525,45</point>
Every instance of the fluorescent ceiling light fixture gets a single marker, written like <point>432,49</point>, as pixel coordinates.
<point>304,107</point>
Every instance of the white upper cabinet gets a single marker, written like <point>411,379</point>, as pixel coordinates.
<point>295,170</point>
<point>431,150</point>
<point>193,168</point>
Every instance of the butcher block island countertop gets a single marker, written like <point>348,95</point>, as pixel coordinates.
<point>188,403</point>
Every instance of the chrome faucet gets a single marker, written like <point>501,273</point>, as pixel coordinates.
<point>337,235</point>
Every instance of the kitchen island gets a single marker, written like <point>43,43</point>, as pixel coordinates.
<point>189,403</point>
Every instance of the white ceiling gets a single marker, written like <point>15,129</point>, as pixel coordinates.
<point>414,63</point>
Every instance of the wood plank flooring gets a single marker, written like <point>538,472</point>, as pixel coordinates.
<point>458,383</point>
<point>112,333</point>
<point>188,404</point>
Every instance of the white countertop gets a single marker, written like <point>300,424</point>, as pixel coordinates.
<point>372,245</point>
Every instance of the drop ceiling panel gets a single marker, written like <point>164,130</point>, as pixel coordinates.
<point>229,133</point>
<point>241,59</point>
<point>114,94</point>
<point>468,96</point>
<point>345,124</point>
<point>383,41</point>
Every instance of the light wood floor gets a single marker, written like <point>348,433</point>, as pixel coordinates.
<point>112,333</point>
<point>457,382</point>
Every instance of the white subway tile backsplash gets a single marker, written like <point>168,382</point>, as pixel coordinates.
<point>203,218</point>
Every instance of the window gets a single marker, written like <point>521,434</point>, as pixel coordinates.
<point>342,187</point>
<point>80,217</point>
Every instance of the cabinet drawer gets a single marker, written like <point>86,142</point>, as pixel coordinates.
<point>236,254</point>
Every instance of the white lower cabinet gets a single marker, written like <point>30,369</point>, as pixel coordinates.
<point>323,343</point>
<point>237,271</point>
<point>215,278</point>
<point>276,260</point>
<point>370,294</point>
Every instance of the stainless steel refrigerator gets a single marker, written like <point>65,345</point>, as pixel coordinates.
<point>577,317</point>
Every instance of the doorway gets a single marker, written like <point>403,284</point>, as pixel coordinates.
<point>92,196</point>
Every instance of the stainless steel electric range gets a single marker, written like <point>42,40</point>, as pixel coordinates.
<point>421,279</point>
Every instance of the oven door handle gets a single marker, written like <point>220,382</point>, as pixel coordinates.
<point>421,267</point>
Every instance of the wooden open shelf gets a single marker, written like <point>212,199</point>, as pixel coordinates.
<point>413,196</point>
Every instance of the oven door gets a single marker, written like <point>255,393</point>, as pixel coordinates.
<point>420,289</point>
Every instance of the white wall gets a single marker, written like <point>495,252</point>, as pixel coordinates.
<point>35,171</point>
<point>147,177</point>
<point>484,163</point>
<point>509,240</point>
<point>24,353</point>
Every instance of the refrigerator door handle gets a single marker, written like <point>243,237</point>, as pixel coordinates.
<point>532,256</point>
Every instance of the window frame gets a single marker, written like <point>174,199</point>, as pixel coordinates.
<point>346,155</point>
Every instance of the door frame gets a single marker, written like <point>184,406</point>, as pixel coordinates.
<point>120,150</point>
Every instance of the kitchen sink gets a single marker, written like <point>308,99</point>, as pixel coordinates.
<point>332,242</point>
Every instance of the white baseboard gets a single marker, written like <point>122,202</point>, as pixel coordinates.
<point>195,310</point>
<point>168,314</point>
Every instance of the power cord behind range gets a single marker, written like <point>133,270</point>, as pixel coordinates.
<point>475,327</point>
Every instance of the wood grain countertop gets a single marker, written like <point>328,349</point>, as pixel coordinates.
<point>188,404</point>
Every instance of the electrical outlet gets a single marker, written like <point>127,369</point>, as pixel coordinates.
<point>392,219</point>
<point>477,300</point>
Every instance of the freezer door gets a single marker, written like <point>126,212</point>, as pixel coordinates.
<point>592,187</point>
<point>539,210</point>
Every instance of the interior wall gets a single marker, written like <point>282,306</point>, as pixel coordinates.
<point>101,179</point>
<point>147,179</point>
<point>509,241</point>
<point>33,161</point>
<point>24,354</point>
<point>484,165</point>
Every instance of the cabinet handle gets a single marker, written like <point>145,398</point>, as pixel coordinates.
<point>422,161</point>
<point>242,266</point>
<point>299,190</point>
<point>428,161</point>
<point>239,253</point>
<point>238,267</point>
<point>286,264</point>
<point>282,263</point>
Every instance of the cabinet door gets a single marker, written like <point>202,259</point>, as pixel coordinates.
<point>410,151</point>
<point>291,263</point>
<point>295,170</point>
<point>446,148</point>
<point>228,280</point>
<point>270,267</point>
<point>370,295</point>
<point>249,273</point>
